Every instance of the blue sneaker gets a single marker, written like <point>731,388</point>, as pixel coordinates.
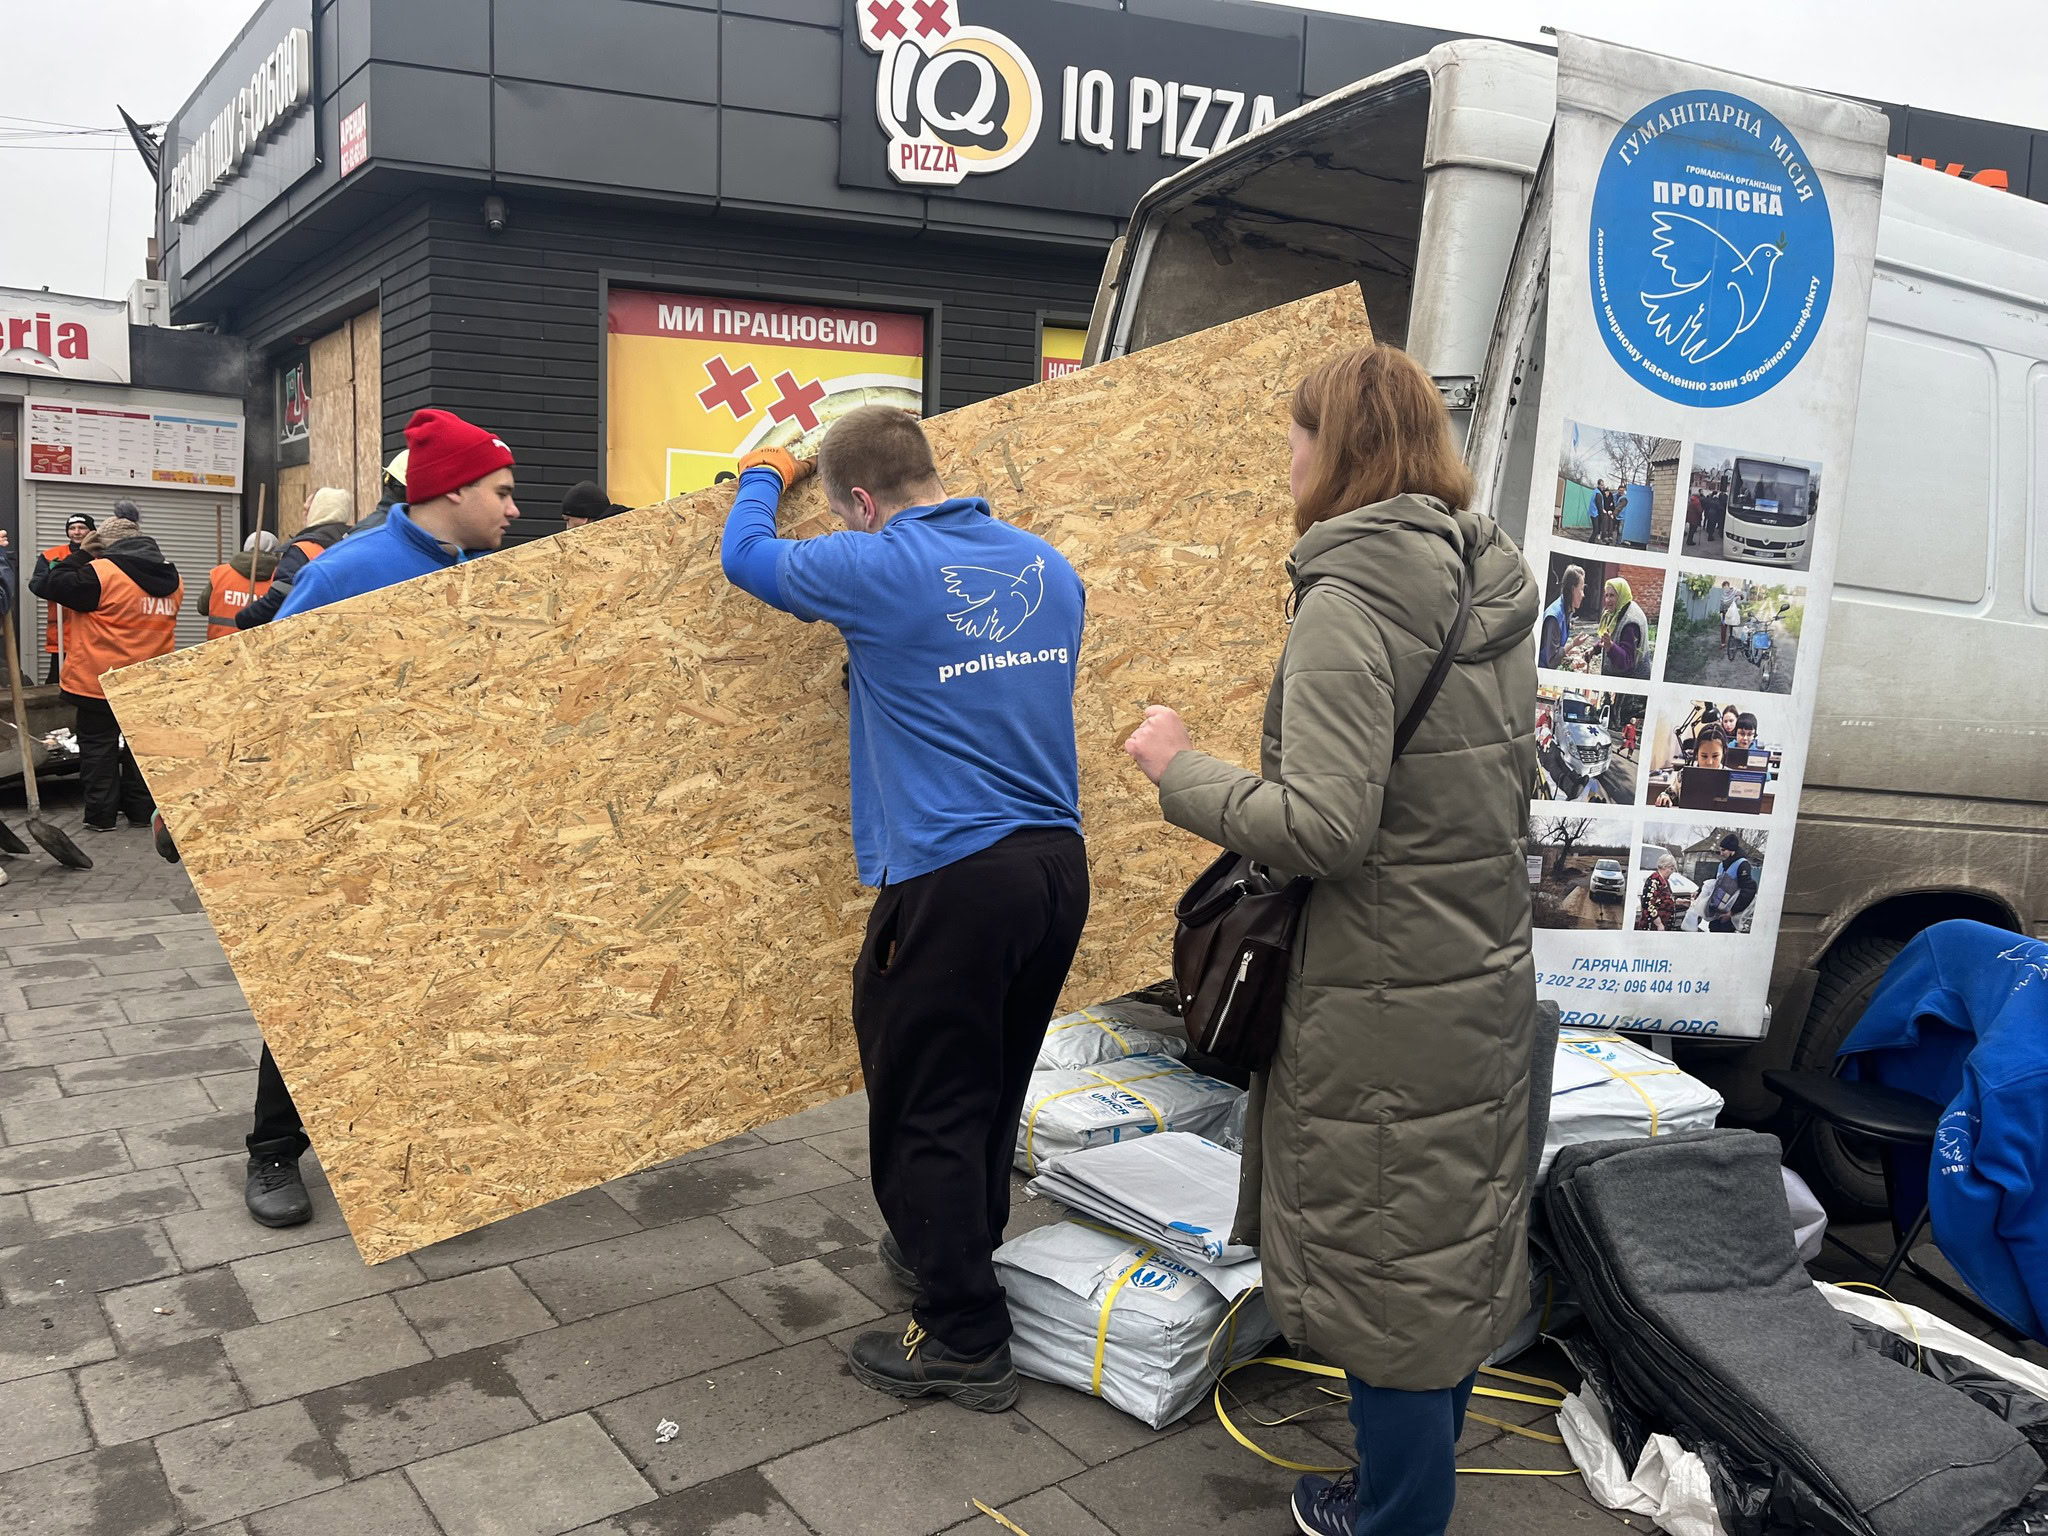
<point>1326,1508</point>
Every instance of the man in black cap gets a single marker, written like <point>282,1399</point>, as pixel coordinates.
<point>586,503</point>
<point>76,527</point>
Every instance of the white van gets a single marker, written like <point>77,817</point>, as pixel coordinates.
<point>1927,788</point>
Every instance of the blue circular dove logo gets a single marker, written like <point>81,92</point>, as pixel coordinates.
<point>1712,252</point>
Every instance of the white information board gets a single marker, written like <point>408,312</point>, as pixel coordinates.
<point>107,444</point>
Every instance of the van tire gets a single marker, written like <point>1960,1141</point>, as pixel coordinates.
<point>1848,1178</point>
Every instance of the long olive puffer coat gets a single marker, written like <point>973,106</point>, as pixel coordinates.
<point>1387,1156</point>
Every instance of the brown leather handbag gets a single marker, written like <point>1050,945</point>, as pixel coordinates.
<point>1236,924</point>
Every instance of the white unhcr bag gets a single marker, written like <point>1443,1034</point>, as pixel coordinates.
<point>1110,1032</point>
<point>1065,1111</point>
<point>1120,1320</point>
<point>1606,1088</point>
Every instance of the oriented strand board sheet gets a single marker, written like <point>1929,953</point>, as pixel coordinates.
<point>538,872</point>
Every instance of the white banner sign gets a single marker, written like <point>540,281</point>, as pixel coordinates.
<point>1710,264</point>
<point>56,336</point>
<point>113,445</point>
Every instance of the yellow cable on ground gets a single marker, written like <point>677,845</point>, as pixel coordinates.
<point>1919,1349</point>
<point>1003,1520</point>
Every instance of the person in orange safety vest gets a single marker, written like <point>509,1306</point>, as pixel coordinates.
<point>121,598</point>
<point>76,527</point>
<point>234,584</point>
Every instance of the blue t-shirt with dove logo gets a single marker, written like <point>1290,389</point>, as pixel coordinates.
<point>964,634</point>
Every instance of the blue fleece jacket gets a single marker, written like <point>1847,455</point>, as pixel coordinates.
<point>964,635</point>
<point>383,557</point>
<point>1961,1017</point>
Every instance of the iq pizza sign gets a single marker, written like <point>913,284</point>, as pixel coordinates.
<point>1045,104</point>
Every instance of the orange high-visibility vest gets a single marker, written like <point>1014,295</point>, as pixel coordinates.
<point>311,550</point>
<point>53,554</point>
<point>128,626</point>
<point>228,593</point>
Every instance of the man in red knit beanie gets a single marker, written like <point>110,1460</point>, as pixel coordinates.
<point>459,503</point>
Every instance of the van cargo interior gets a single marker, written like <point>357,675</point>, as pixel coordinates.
<point>1291,216</point>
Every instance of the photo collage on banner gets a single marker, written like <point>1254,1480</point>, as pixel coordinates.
<point>1711,245</point>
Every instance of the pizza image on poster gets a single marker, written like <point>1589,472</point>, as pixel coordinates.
<point>694,382</point>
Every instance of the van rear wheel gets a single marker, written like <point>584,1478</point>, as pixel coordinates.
<point>1846,1171</point>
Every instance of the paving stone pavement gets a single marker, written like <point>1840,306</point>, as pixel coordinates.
<point>168,1366</point>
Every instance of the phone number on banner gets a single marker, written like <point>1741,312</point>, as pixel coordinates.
<point>1635,981</point>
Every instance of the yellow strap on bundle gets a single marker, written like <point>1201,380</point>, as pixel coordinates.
<point>1158,1120</point>
<point>1624,1077</point>
<point>1144,1257</point>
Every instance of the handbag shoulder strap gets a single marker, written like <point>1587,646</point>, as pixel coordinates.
<point>1445,658</point>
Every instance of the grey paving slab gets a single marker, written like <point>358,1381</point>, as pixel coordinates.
<point>188,1140</point>
<point>1531,1506</point>
<point>74,967</point>
<point>205,1237</point>
<point>804,1300</point>
<point>375,1506</point>
<point>153,1067</point>
<point>1086,1426</point>
<point>465,1312</point>
<point>65,1160</point>
<point>51,1336</point>
<point>222,1182</point>
<point>848,1148</point>
<point>50,994</point>
<point>754,1177</point>
<point>536,1482</point>
<point>839,1114</point>
<point>744,1141</point>
<point>302,1354</point>
<point>54,1267</point>
<point>402,1416</point>
<point>855,1201</point>
<point>641,1266</point>
<point>251,1461</point>
<point>1199,1480</point>
<point>29,1085</point>
<point>862,1268</point>
<point>588,1217</point>
<point>43,1050</point>
<point>231,1090</point>
<point>195,951</point>
<point>915,1473</point>
<point>120,1200</point>
<point>40,1420</point>
<point>103,1111</point>
<point>315,1276</point>
<point>213,973</point>
<point>35,1023</point>
<point>15,1223</point>
<point>164,1312</point>
<point>140,1396</point>
<point>118,1491</point>
<point>740,1505</point>
<point>125,927</point>
<point>197,1003</point>
<point>583,1364</point>
<point>1049,1512</point>
<point>106,911</point>
<point>184,1034</point>
<point>743,1414</point>
<point>797,1228</point>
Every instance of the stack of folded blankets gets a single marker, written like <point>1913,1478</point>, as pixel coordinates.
<point>1680,1251</point>
<point>1072,1108</point>
<point>1141,1299</point>
<point>1110,1031</point>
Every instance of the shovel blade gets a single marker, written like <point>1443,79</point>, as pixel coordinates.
<point>10,840</point>
<point>58,845</point>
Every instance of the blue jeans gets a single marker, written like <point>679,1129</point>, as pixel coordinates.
<point>1407,1457</point>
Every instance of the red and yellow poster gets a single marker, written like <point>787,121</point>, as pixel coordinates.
<point>697,381</point>
<point>1059,351</point>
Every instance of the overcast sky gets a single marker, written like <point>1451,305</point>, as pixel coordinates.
<point>78,208</point>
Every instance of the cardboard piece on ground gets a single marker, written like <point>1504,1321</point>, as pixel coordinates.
<point>537,872</point>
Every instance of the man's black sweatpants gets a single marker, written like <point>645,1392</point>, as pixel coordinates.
<point>113,785</point>
<point>954,987</point>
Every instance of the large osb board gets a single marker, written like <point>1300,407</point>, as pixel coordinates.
<point>537,871</point>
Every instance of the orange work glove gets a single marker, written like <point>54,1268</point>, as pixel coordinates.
<point>794,471</point>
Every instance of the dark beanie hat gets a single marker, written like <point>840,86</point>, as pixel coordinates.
<point>445,453</point>
<point>81,517</point>
<point>586,499</point>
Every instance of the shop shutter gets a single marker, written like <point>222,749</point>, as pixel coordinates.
<point>181,522</point>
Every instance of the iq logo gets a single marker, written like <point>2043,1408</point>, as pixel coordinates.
<point>955,100</point>
<point>1712,251</point>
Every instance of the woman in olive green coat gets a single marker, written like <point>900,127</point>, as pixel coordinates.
<point>1386,1160</point>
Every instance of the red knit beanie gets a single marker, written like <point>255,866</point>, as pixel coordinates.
<point>448,453</point>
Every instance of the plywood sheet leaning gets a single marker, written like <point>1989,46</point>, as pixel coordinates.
<point>537,871</point>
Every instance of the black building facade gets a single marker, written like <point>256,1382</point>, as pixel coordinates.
<point>398,203</point>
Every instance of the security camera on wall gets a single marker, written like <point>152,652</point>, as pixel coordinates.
<point>494,215</point>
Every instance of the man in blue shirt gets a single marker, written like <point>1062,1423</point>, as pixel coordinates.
<point>460,483</point>
<point>963,635</point>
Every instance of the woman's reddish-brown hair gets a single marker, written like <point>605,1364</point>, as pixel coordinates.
<point>1381,431</point>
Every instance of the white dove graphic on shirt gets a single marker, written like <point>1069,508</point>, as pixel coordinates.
<point>997,603</point>
<point>1717,292</point>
